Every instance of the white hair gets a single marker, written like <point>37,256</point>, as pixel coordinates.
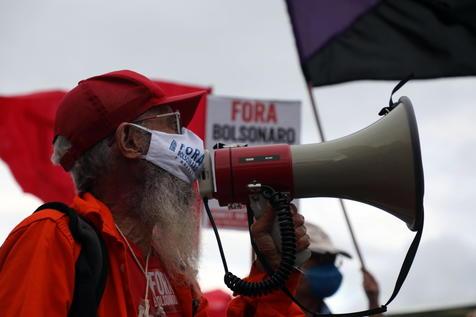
<point>164,201</point>
<point>89,166</point>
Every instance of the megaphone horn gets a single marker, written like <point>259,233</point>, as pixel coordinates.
<point>379,165</point>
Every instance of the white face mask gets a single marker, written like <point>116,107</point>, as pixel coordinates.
<point>181,155</point>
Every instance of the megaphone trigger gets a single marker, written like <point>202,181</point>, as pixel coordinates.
<point>262,210</point>
<point>264,226</point>
<point>265,213</point>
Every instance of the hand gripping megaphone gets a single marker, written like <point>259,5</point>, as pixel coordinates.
<point>379,165</point>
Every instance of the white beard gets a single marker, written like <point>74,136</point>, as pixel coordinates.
<point>167,204</point>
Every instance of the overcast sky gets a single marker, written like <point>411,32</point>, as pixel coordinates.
<point>245,48</point>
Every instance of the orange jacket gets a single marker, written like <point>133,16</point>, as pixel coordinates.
<point>37,263</point>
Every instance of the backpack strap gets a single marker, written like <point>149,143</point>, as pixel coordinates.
<point>91,265</point>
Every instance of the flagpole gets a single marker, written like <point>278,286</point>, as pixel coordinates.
<point>323,139</point>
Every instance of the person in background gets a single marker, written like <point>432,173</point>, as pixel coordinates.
<point>322,277</point>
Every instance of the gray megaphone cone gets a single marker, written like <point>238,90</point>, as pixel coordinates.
<point>379,165</point>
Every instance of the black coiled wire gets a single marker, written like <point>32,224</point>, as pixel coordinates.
<point>276,280</point>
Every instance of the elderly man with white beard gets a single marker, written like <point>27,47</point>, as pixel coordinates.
<point>121,139</point>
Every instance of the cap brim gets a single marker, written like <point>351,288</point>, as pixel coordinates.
<point>331,251</point>
<point>343,253</point>
<point>186,104</point>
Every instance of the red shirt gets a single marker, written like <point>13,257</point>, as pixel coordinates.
<point>37,263</point>
<point>160,293</point>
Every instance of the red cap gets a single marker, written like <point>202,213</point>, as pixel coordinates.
<point>95,108</point>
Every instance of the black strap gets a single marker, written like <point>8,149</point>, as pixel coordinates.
<point>406,265</point>
<point>391,103</point>
<point>407,262</point>
<point>91,266</point>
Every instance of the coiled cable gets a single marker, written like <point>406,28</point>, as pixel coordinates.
<point>277,279</point>
<point>280,202</point>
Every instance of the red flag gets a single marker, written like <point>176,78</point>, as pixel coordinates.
<point>26,134</point>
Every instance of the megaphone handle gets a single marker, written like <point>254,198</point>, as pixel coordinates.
<point>258,204</point>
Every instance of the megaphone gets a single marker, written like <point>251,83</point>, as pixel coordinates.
<point>379,165</point>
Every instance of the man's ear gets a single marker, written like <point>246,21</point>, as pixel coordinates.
<point>131,141</point>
